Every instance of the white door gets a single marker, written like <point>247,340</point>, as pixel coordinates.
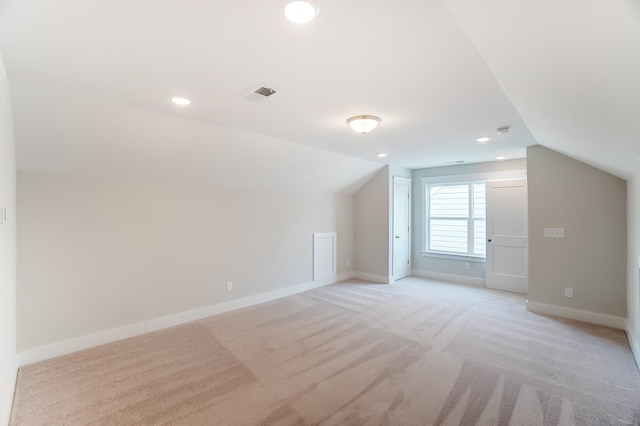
<point>507,235</point>
<point>401,227</point>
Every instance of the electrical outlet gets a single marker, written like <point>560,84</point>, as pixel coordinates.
<point>568,292</point>
<point>229,286</point>
<point>467,265</point>
<point>348,262</point>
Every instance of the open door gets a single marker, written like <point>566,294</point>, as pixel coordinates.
<point>507,254</point>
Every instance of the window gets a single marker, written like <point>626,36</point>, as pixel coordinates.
<point>456,218</point>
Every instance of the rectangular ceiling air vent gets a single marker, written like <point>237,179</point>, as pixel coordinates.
<point>260,93</point>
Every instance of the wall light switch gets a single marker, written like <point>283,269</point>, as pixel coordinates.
<point>554,232</point>
<point>3,215</point>
<point>229,285</point>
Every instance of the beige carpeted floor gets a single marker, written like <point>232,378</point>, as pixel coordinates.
<point>414,353</point>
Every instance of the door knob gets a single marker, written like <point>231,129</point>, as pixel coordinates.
<point>489,239</point>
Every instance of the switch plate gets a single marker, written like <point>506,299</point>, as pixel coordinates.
<point>229,285</point>
<point>554,232</point>
<point>3,215</point>
<point>568,292</point>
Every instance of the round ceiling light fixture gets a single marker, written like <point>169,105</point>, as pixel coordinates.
<point>300,12</point>
<point>483,139</point>
<point>381,154</point>
<point>501,157</point>
<point>181,101</point>
<point>363,123</point>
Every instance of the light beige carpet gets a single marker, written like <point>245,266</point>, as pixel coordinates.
<point>414,353</point>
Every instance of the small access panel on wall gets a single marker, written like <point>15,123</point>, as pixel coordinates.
<point>325,257</point>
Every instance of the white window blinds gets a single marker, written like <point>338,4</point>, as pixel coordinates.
<point>456,218</point>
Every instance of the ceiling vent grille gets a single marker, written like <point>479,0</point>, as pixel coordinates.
<point>260,93</point>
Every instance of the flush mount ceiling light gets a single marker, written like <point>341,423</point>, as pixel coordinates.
<point>180,101</point>
<point>363,123</point>
<point>381,154</point>
<point>300,12</point>
<point>483,139</point>
<point>501,157</point>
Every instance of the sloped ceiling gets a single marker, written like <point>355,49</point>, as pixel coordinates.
<point>572,70</point>
<point>91,83</point>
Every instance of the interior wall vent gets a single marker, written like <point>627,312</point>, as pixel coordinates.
<point>260,93</point>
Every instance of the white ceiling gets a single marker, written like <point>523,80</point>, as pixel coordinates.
<point>91,82</point>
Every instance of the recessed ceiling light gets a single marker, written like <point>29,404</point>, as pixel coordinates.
<point>180,101</point>
<point>381,154</point>
<point>300,12</point>
<point>501,157</point>
<point>483,139</point>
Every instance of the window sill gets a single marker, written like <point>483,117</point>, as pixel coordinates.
<point>459,257</point>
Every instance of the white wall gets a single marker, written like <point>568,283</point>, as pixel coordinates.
<point>8,362</point>
<point>373,210</point>
<point>592,258</point>
<point>434,266</point>
<point>371,228</point>
<point>99,253</point>
<point>633,264</point>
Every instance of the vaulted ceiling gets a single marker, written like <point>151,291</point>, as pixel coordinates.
<point>92,80</point>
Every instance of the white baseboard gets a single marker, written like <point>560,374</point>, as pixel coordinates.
<point>634,343</point>
<point>577,314</point>
<point>441,276</point>
<point>326,280</point>
<point>107,336</point>
<point>7,393</point>
<point>346,276</point>
<point>372,277</point>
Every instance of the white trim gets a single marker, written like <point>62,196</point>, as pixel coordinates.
<point>471,177</point>
<point>345,276</point>
<point>323,277</point>
<point>459,257</point>
<point>441,276</point>
<point>577,315</point>
<point>372,277</point>
<point>402,180</point>
<point>8,392</point>
<point>635,344</point>
<point>75,344</point>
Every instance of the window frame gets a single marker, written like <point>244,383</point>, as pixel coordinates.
<point>470,219</point>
